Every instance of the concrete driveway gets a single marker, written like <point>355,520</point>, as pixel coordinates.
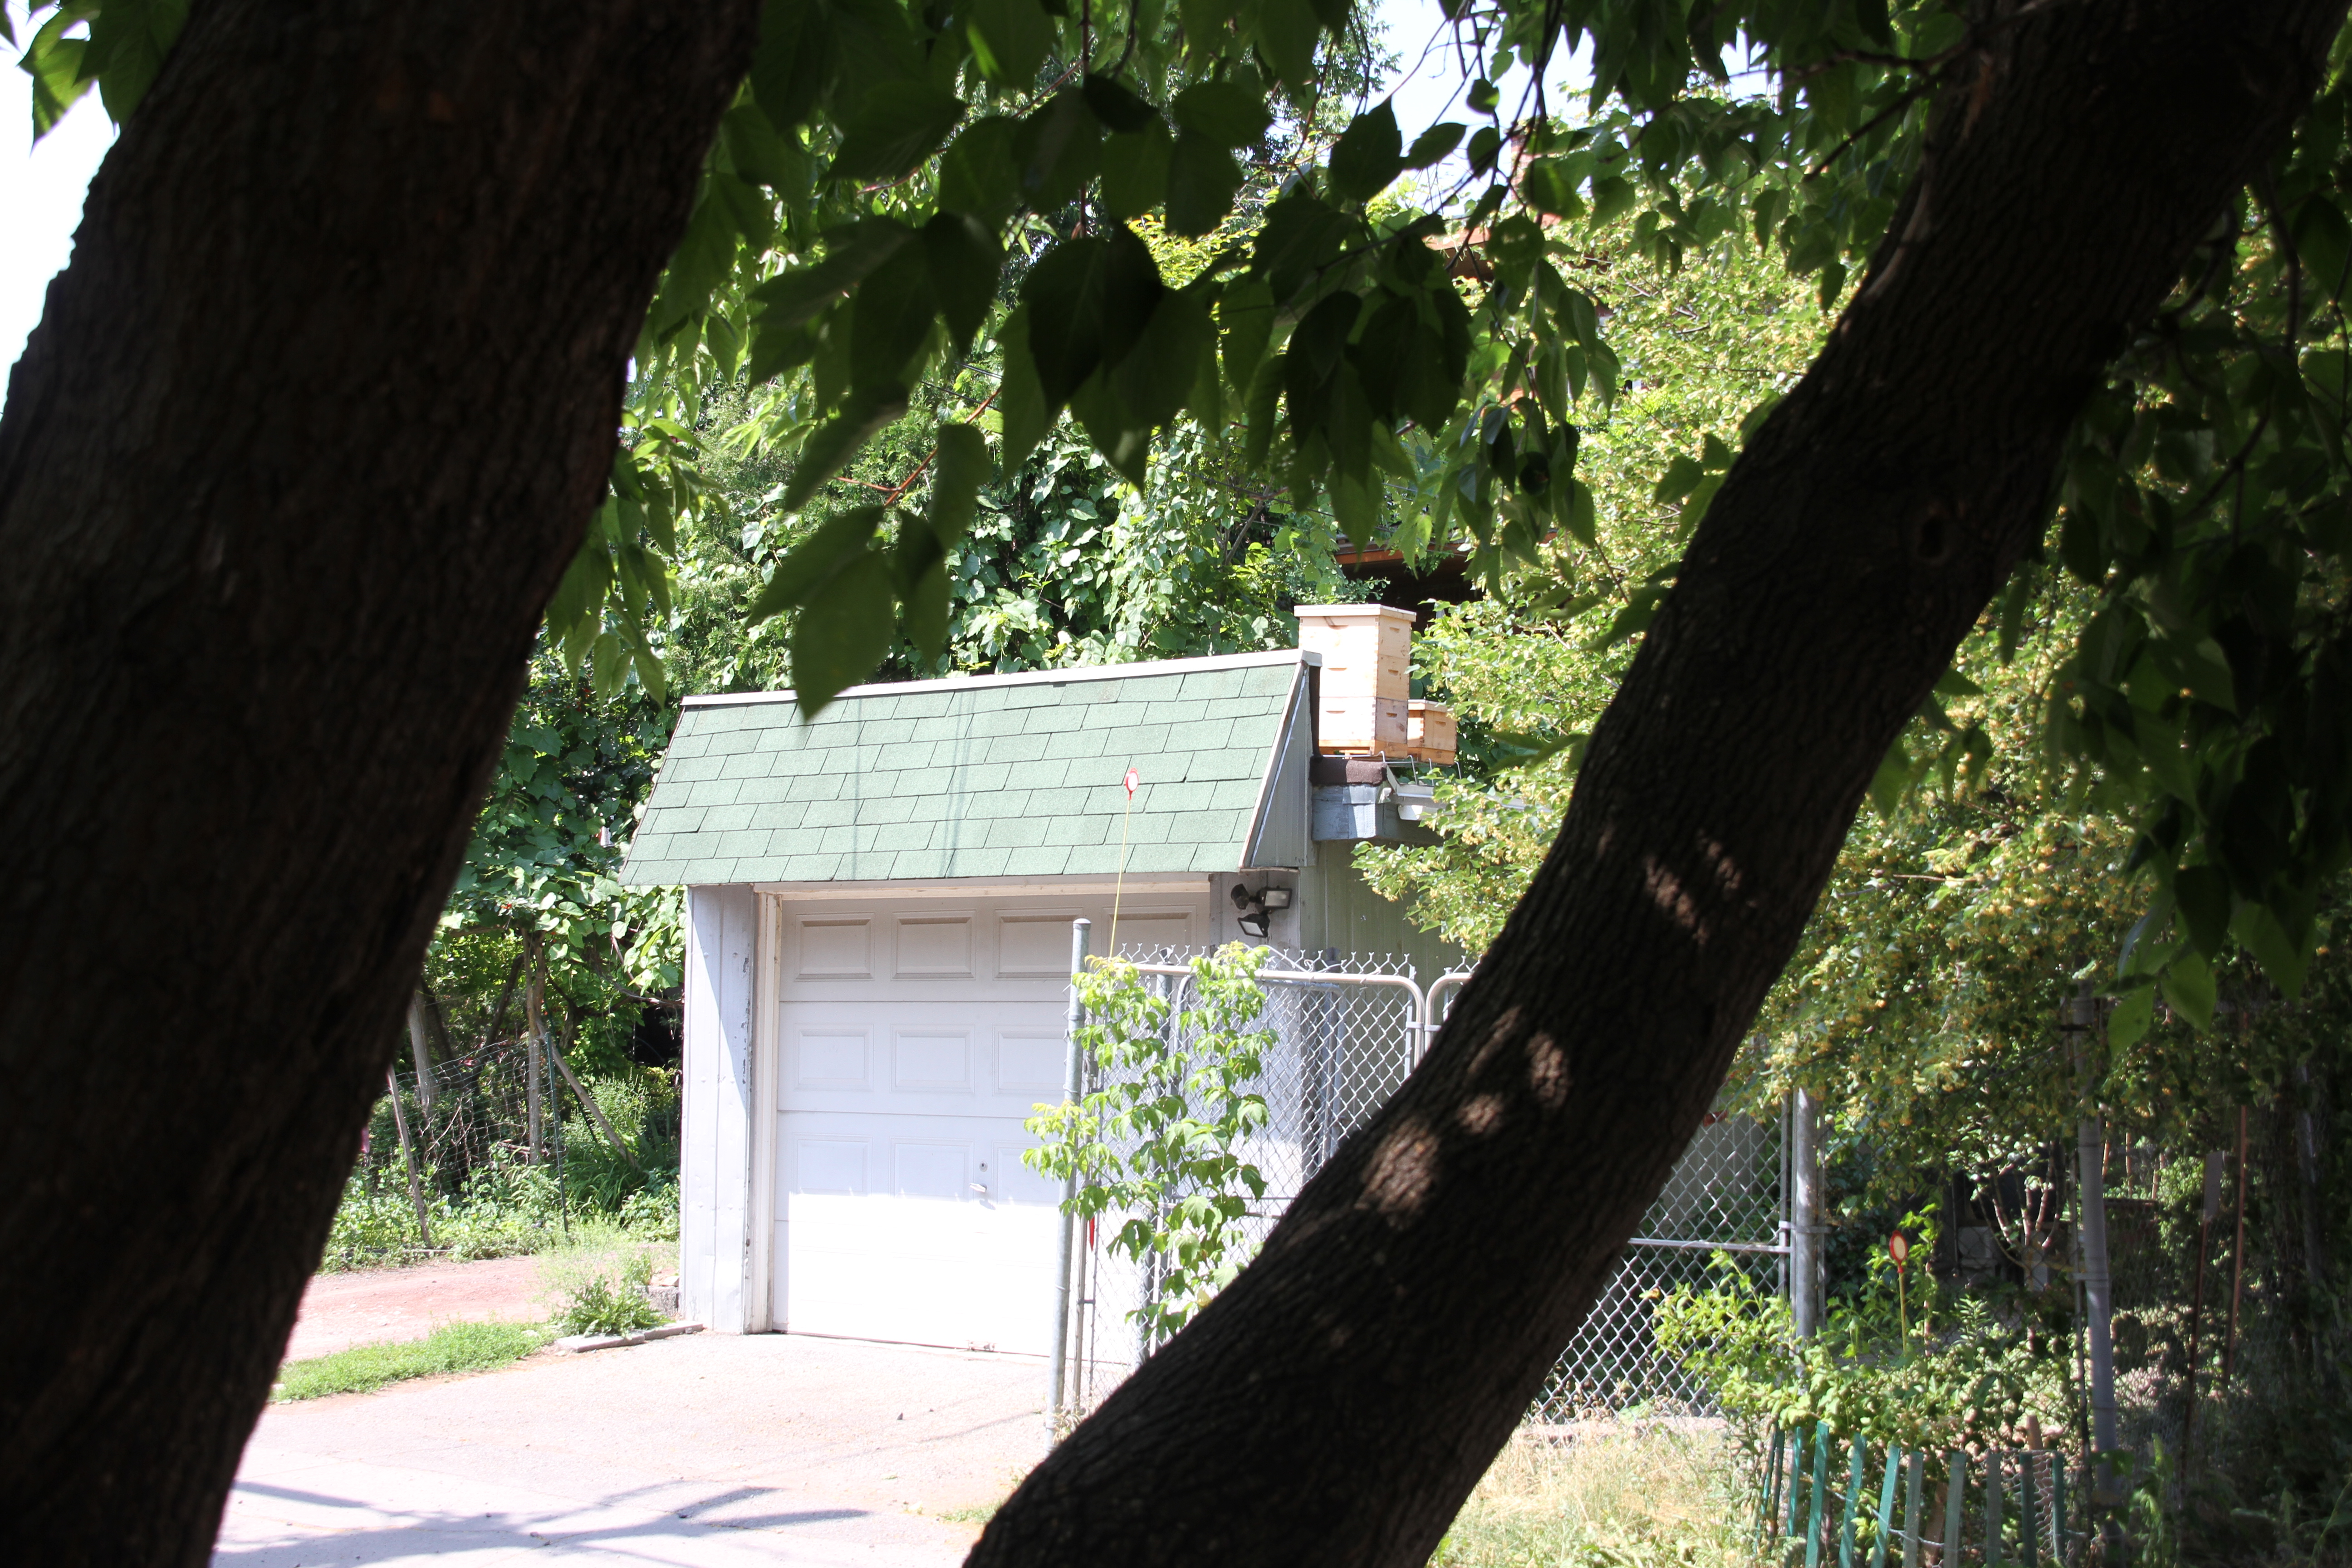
<point>707,1449</point>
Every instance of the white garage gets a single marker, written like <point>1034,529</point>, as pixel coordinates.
<point>878,953</point>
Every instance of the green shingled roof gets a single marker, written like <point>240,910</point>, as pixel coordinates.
<point>993,776</point>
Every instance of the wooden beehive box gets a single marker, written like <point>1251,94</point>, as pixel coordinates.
<point>1366,680</point>
<point>1429,732</point>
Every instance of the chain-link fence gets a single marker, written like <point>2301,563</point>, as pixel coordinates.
<point>488,1153</point>
<point>1348,1028</point>
<point>1725,1198</point>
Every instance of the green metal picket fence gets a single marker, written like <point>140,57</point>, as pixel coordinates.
<point>2004,1508</point>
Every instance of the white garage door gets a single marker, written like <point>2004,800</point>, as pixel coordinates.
<point>912,1043</point>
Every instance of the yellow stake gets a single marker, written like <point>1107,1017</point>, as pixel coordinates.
<point>1118,883</point>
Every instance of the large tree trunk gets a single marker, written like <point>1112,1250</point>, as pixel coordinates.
<point>309,431</point>
<point>1337,1402</point>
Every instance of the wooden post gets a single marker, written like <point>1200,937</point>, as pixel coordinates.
<point>419,1054</point>
<point>408,1158</point>
<point>534,1028</point>
<point>1878,1552</point>
<point>1955,1489</point>
<point>1795,1485</point>
<point>1820,1491</point>
<point>2028,1526</point>
<point>1916,1480</point>
<point>596,1114</point>
<point>1992,1481</point>
<point>1846,1523</point>
<point>2205,1218</point>
<point>2237,1259</point>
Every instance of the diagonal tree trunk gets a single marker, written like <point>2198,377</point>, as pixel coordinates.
<point>310,429</point>
<point>1337,1402</point>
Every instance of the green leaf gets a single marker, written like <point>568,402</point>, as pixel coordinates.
<point>1246,315</point>
<point>1024,415</point>
<point>1119,433</point>
<point>1288,30</point>
<point>1204,25</point>
<point>1134,170</point>
<point>833,443</point>
<point>2188,983</point>
<point>810,567</point>
<point>793,64</point>
<point>1546,187</point>
<point>1433,146</point>
<point>1058,149</point>
<point>1202,179</point>
<point>842,633</point>
<point>852,253</point>
<point>2323,241</point>
<point>1009,40</point>
<point>2203,894</point>
<point>760,153</point>
<point>1613,198</point>
<point>1682,477</point>
<point>2127,1024</point>
<point>1158,373</point>
<point>2282,958</point>
<point>896,126</point>
<point>1370,154</point>
<point>890,321</point>
<point>965,262</point>
<point>1226,112</point>
<point>1119,109</point>
<point>1065,295</point>
<point>958,471</point>
<point>1952,683</point>
<point>1892,779</point>
<point>925,615</point>
<point>980,171</point>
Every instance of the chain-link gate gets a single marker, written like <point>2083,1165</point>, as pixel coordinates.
<point>1348,1029</point>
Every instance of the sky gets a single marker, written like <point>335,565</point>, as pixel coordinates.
<point>40,190</point>
<point>41,186</point>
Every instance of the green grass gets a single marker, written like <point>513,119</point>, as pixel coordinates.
<point>453,1347</point>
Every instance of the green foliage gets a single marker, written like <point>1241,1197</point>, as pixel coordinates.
<point>452,1347</point>
<point>611,1301</point>
<point>508,1206</point>
<point>1947,1375</point>
<point>1157,1147</point>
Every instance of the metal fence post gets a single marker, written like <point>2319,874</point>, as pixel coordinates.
<point>2098,1287</point>
<point>1805,1215</point>
<point>1076,1015</point>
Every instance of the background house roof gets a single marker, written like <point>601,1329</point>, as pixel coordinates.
<point>990,776</point>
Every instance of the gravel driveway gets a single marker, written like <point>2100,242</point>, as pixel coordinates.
<point>707,1450</point>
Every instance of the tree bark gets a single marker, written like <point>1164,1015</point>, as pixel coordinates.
<point>1339,1401</point>
<point>309,430</point>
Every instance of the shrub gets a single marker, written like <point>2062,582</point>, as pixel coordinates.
<point>603,1290</point>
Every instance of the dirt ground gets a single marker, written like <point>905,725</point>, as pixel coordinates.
<point>708,1449</point>
<point>343,1310</point>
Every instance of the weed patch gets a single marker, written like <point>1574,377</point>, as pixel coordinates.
<point>1611,1497</point>
<point>453,1347</point>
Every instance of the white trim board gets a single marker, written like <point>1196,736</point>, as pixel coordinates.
<point>1032,677</point>
<point>1047,887</point>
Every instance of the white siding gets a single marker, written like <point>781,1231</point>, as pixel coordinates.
<point>717,1118</point>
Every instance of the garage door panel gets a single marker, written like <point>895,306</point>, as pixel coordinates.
<point>913,1042</point>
